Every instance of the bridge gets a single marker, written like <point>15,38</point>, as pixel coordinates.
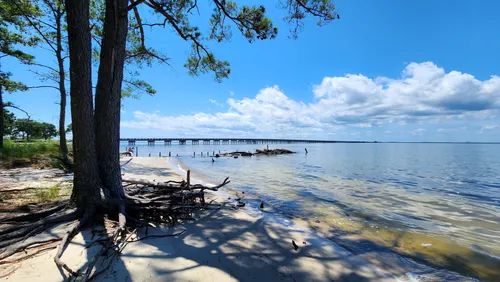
<point>225,141</point>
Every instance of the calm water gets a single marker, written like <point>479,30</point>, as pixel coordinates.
<point>439,202</point>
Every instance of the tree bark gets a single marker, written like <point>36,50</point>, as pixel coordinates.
<point>86,183</point>
<point>63,146</point>
<point>2,122</point>
<point>108,95</point>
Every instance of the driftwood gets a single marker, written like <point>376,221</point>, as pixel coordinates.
<point>265,152</point>
<point>128,152</point>
<point>143,203</point>
<point>173,185</point>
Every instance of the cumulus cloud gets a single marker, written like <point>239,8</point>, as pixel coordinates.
<point>423,93</point>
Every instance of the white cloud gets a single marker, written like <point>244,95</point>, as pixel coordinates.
<point>451,130</point>
<point>424,93</point>
<point>487,128</point>
<point>418,132</point>
<point>215,102</point>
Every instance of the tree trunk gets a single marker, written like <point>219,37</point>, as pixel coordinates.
<point>2,122</point>
<point>107,97</point>
<point>86,182</point>
<point>63,146</point>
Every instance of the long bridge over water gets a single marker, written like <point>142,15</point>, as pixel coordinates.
<point>224,141</point>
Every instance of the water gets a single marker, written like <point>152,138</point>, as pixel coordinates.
<point>436,202</point>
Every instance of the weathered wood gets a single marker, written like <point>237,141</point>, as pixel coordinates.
<point>257,152</point>
<point>174,185</point>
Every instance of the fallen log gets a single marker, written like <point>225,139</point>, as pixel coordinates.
<point>258,152</point>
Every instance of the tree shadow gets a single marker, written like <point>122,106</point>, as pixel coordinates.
<point>244,248</point>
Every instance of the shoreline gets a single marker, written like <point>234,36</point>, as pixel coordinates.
<point>221,245</point>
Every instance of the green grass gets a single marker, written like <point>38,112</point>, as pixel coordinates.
<point>15,154</point>
<point>48,195</point>
<point>3,198</point>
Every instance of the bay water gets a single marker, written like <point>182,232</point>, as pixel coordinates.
<point>439,203</point>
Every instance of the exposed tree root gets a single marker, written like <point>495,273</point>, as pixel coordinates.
<point>35,215</point>
<point>40,249</point>
<point>144,203</point>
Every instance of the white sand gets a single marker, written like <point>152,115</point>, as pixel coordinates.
<point>223,245</point>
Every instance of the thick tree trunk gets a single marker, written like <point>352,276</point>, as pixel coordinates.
<point>2,122</point>
<point>62,88</point>
<point>107,97</point>
<point>86,182</point>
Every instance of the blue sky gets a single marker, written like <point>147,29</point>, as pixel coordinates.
<point>387,70</point>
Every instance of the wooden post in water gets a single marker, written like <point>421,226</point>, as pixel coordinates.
<point>188,178</point>
<point>213,153</point>
<point>169,154</point>
<point>136,151</point>
<point>159,154</point>
<point>202,154</point>
<point>150,154</point>
<point>194,154</point>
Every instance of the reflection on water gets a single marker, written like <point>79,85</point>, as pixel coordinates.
<point>438,201</point>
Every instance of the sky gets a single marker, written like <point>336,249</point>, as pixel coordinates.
<point>387,71</point>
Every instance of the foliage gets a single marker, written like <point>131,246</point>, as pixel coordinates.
<point>27,151</point>
<point>137,54</point>
<point>33,129</point>
<point>13,34</point>
<point>69,128</point>
<point>49,194</point>
<point>47,130</point>
<point>251,21</point>
<point>9,119</point>
<point>13,29</point>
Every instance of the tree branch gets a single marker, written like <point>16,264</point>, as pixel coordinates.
<point>44,66</point>
<point>17,108</point>
<point>154,5</point>
<point>144,50</point>
<point>34,25</point>
<point>43,86</point>
<point>133,5</point>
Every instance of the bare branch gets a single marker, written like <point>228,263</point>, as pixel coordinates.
<point>45,76</point>
<point>43,86</point>
<point>195,5</point>
<point>133,5</point>
<point>17,108</point>
<point>44,66</point>
<point>156,24</point>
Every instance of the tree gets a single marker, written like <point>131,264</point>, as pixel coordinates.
<point>33,129</point>
<point>52,32</point>
<point>47,130</point>
<point>9,119</point>
<point>25,128</point>
<point>12,35</point>
<point>96,131</point>
<point>49,26</point>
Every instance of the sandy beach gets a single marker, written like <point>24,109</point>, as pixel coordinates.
<point>225,244</point>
